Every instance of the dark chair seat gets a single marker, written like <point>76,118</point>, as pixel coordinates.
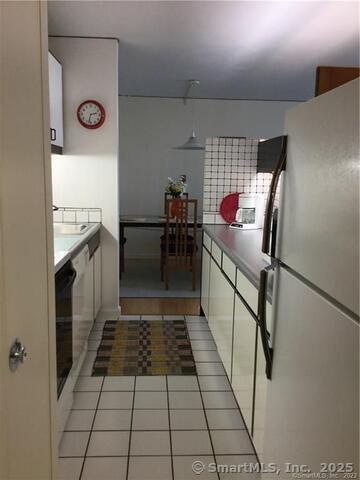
<point>172,238</point>
<point>172,248</point>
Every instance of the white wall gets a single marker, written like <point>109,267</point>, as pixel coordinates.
<point>87,174</point>
<point>151,127</point>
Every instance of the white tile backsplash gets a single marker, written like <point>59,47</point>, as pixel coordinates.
<point>230,167</point>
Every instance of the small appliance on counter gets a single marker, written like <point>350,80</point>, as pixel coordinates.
<point>250,212</point>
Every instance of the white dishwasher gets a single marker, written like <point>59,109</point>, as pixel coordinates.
<point>81,323</point>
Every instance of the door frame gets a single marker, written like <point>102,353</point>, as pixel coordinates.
<point>27,301</point>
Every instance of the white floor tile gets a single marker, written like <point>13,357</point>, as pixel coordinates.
<point>203,345</point>
<point>150,420</point>
<point>185,468</point>
<point>112,420</point>
<point>191,442</point>
<point>119,384</point>
<point>194,318</point>
<point>231,442</point>
<point>85,400</point>
<point>150,400</point>
<point>227,461</point>
<point>104,468</point>
<point>98,327</point>
<point>88,384</point>
<point>187,420</point>
<point>115,400</point>
<point>73,444</point>
<point>95,335</point>
<point>197,327</point>
<point>70,468</point>
<point>206,356</point>
<point>151,317</point>
<point>80,420</point>
<point>200,335</point>
<point>224,419</point>
<point>150,468</point>
<point>210,368</point>
<point>151,383</point>
<point>129,317</point>
<point>182,383</point>
<point>93,345</point>
<point>219,400</point>
<point>214,383</point>
<point>104,444</point>
<point>150,443</point>
<point>185,400</point>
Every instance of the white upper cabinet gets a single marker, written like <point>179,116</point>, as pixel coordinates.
<point>56,105</point>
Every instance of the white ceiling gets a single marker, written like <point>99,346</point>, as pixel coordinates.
<point>244,50</point>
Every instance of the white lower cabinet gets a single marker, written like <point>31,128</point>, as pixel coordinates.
<point>261,386</point>
<point>237,337</point>
<point>221,313</point>
<point>89,297</point>
<point>205,281</point>
<point>244,360</point>
<point>97,281</point>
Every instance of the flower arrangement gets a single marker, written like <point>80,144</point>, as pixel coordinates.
<point>176,187</point>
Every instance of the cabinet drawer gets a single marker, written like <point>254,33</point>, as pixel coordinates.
<point>207,241</point>
<point>229,268</point>
<point>247,291</point>
<point>216,253</point>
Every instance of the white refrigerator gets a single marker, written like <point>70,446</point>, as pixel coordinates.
<point>312,407</point>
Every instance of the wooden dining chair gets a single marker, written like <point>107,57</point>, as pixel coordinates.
<point>168,196</point>
<point>178,244</point>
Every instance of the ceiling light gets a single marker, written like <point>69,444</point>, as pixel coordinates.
<point>192,143</point>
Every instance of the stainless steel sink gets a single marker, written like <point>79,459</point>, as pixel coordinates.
<point>71,228</point>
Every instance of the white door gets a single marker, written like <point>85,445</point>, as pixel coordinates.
<point>28,433</point>
<point>312,413</point>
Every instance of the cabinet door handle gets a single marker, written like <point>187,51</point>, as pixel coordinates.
<point>271,196</point>
<point>52,134</point>
<point>268,351</point>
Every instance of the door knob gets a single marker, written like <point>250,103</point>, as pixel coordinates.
<point>17,355</point>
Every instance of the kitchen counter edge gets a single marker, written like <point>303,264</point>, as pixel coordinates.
<point>245,251</point>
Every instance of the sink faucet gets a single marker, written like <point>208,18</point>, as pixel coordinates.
<point>55,208</point>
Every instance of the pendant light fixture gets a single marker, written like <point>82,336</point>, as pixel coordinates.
<point>193,142</point>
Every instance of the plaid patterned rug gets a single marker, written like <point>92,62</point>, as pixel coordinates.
<point>154,347</point>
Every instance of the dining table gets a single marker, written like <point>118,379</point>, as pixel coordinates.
<point>141,221</point>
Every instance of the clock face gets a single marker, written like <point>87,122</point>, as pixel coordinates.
<point>91,114</point>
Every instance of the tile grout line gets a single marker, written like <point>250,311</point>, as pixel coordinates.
<point>207,425</point>
<point>130,432</point>
<point>92,426</point>
<point>170,436</point>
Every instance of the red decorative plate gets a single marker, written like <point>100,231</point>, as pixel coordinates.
<point>229,207</point>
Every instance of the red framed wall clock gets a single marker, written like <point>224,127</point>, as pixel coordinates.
<point>91,114</point>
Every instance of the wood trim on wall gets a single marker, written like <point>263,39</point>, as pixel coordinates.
<point>328,78</point>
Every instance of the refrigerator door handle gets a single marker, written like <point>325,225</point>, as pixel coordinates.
<point>268,351</point>
<point>271,197</point>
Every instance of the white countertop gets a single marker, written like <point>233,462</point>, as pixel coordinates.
<point>65,246</point>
